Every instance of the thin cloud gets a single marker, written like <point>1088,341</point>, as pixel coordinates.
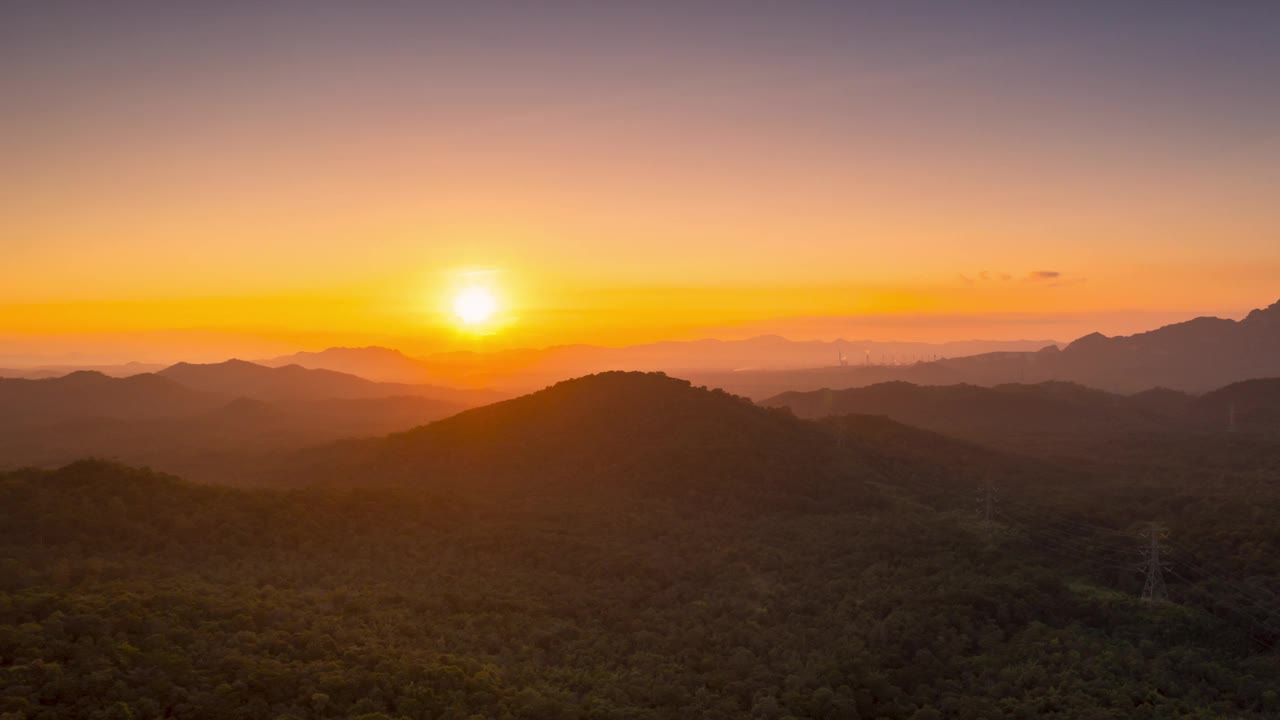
<point>985,276</point>
<point>1046,278</point>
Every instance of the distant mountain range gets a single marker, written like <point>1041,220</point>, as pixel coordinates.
<point>1194,356</point>
<point>294,382</point>
<point>527,369</point>
<point>53,371</point>
<point>184,416</point>
<point>206,421</point>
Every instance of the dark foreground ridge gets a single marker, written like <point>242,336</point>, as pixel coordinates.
<point>746,563</point>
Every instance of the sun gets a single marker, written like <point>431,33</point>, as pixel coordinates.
<point>474,305</point>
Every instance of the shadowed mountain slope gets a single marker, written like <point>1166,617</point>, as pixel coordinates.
<point>982,413</point>
<point>375,363</point>
<point>1249,406</point>
<point>89,394</point>
<point>226,444</point>
<point>294,382</point>
<point>761,587</point>
<point>236,417</point>
<point>56,371</point>
<point>1055,416</point>
<point>608,430</point>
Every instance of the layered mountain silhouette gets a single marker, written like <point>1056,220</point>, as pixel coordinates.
<point>208,422</point>
<point>374,363</point>
<point>687,527</point>
<point>56,371</point>
<point>87,394</point>
<point>633,520</point>
<point>1017,414</point>
<point>527,369</point>
<point>1194,356</point>
<point>187,416</point>
<point>294,382</point>
<point>605,433</point>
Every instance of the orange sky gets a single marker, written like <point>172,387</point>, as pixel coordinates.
<point>296,180</point>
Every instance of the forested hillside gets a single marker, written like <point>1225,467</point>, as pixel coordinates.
<point>1057,418</point>
<point>602,432</point>
<point>597,565</point>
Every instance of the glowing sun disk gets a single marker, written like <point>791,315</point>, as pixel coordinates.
<point>474,305</point>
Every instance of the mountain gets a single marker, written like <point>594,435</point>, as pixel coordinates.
<point>526,369</point>
<point>762,384</point>
<point>1001,415</point>
<point>293,382</point>
<point>225,444</point>
<point>374,363</point>
<point>634,428</point>
<point>1194,356</point>
<point>627,545</point>
<point>54,371</point>
<point>1056,416</point>
<point>90,394</point>
<point>1252,405</point>
<point>211,423</point>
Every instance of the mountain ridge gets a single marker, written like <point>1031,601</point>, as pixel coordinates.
<point>1195,356</point>
<point>524,369</point>
<point>1017,415</point>
<point>644,429</point>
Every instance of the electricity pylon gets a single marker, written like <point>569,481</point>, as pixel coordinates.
<point>1153,590</point>
<point>987,506</point>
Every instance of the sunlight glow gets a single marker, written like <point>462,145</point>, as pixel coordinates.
<point>474,305</point>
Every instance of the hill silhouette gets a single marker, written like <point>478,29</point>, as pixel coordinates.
<point>982,413</point>
<point>236,417</point>
<point>1193,356</point>
<point>379,364</point>
<point>1252,405</point>
<point>38,372</point>
<point>524,369</point>
<point>1050,414</point>
<point>90,394</point>
<point>227,444</point>
<point>294,382</point>
<point>635,429</point>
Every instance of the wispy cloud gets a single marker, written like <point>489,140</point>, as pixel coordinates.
<point>986,276</point>
<point>1047,278</point>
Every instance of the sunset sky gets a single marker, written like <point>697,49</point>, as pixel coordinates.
<point>238,178</point>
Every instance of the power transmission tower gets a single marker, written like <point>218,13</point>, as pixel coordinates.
<point>1153,590</point>
<point>987,500</point>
